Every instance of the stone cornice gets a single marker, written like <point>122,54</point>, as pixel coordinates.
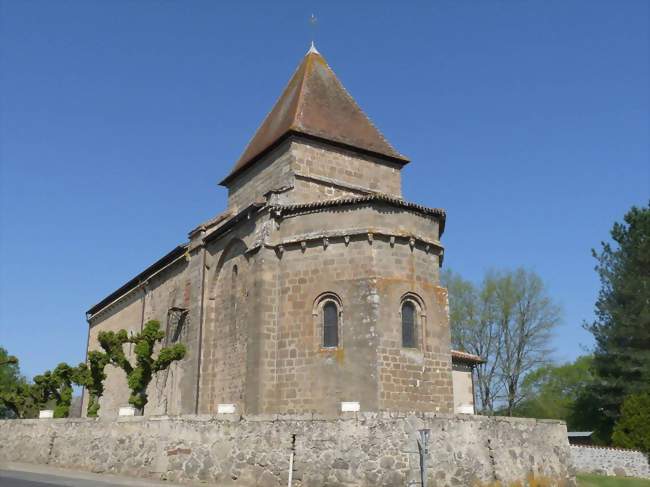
<point>327,238</point>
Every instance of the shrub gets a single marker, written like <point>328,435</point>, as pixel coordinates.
<point>633,428</point>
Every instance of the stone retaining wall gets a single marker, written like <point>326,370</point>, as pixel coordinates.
<point>610,461</point>
<point>355,449</point>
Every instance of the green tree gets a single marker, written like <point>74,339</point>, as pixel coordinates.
<point>139,375</point>
<point>21,400</point>
<point>632,430</point>
<point>8,359</point>
<point>622,325</point>
<point>9,379</point>
<point>18,399</point>
<point>551,391</point>
<point>92,377</point>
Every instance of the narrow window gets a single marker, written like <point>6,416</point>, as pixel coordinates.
<point>235,271</point>
<point>330,325</point>
<point>408,325</point>
<point>234,295</point>
<point>175,325</point>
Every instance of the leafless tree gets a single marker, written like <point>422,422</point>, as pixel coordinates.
<point>529,316</point>
<point>507,321</point>
<point>474,329</point>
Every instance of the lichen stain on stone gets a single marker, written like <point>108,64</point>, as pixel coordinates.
<point>386,283</point>
<point>440,294</point>
<point>340,355</point>
<point>179,451</point>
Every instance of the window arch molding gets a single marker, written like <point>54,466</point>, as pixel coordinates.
<point>413,318</point>
<point>328,317</point>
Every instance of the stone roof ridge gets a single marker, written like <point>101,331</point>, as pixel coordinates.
<point>210,223</point>
<point>315,103</point>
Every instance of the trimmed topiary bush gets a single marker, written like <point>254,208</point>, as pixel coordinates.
<point>55,386</point>
<point>92,377</point>
<point>139,375</point>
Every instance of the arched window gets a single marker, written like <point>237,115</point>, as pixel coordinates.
<point>330,325</point>
<point>328,313</point>
<point>409,317</point>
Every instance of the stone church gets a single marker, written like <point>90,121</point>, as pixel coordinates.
<point>317,287</point>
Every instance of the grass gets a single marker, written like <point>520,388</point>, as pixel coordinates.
<point>599,481</point>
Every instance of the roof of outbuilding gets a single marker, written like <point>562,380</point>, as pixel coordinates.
<point>316,104</point>
<point>579,434</point>
<point>457,355</point>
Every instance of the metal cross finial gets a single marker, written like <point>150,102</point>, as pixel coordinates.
<point>312,21</point>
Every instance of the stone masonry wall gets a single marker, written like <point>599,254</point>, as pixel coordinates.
<point>355,449</point>
<point>326,172</point>
<point>306,171</point>
<point>610,461</point>
<point>270,173</point>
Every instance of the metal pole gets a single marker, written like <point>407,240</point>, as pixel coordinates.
<point>423,446</point>
<point>290,469</point>
<point>293,451</point>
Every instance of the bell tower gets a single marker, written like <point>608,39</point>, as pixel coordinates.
<point>315,144</point>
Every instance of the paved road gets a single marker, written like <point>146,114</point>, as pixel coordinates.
<point>23,475</point>
<point>28,479</point>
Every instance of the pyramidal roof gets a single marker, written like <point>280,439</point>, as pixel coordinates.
<point>316,104</point>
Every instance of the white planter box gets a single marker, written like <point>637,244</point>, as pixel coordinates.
<point>226,408</point>
<point>465,409</point>
<point>46,414</point>
<point>350,406</point>
<point>127,411</point>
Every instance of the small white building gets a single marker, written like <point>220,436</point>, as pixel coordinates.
<point>463,364</point>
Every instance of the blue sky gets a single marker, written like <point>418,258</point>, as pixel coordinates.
<point>528,121</point>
